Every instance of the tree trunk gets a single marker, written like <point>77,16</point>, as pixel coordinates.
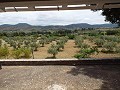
<point>0,66</point>
<point>32,53</point>
<point>54,55</point>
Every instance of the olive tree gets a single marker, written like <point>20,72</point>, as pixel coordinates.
<point>16,53</point>
<point>4,51</point>
<point>53,50</point>
<point>109,46</point>
<point>99,42</point>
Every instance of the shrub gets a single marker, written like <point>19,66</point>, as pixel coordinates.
<point>17,53</point>
<point>86,52</point>
<point>60,44</point>
<point>4,52</point>
<point>78,40</point>
<point>53,50</point>
<point>26,52</point>
<point>109,46</point>
<point>79,55</point>
<point>117,49</point>
<point>85,46</point>
<point>42,42</point>
<point>71,36</point>
<point>91,38</point>
<point>26,42</point>
<point>34,46</point>
<point>99,42</point>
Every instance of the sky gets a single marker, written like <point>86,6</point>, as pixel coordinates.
<point>52,17</point>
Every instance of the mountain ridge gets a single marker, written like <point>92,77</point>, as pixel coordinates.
<point>25,26</point>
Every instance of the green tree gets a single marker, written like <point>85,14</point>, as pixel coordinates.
<point>26,52</point>
<point>86,52</point>
<point>34,45</point>
<point>17,53</point>
<point>112,15</point>
<point>42,42</point>
<point>4,51</point>
<point>53,50</point>
<point>109,46</point>
<point>99,42</point>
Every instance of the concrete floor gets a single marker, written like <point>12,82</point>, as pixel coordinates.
<point>60,78</point>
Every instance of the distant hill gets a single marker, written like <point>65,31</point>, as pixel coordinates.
<point>25,26</point>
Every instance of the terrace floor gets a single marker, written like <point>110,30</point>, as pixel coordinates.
<point>92,77</point>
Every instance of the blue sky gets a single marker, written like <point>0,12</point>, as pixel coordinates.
<point>52,17</point>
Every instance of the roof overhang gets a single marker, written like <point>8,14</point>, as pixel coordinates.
<point>47,5</point>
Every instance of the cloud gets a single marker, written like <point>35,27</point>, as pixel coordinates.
<point>52,17</point>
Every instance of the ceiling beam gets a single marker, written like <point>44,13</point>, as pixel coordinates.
<point>31,4</point>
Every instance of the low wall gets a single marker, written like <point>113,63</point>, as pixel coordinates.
<point>66,62</point>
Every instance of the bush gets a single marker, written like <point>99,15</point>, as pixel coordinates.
<point>60,44</point>
<point>26,52</point>
<point>85,46</point>
<point>117,49</point>
<point>4,52</point>
<point>91,38</point>
<point>79,55</point>
<point>53,50</point>
<point>78,40</point>
<point>71,36</point>
<point>17,53</point>
<point>109,46</point>
<point>34,45</point>
<point>86,52</point>
<point>99,42</point>
<point>42,42</point>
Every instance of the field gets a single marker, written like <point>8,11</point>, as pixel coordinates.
<point>98,43</point>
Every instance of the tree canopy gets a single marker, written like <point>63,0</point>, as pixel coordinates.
<point>112,15</point>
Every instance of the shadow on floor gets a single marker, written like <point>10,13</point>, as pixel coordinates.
<point>110,74</point>
<point>50,58</point>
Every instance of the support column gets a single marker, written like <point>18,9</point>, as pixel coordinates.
<point>0,66</point>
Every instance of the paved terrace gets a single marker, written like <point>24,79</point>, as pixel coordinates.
<point>87,77</point>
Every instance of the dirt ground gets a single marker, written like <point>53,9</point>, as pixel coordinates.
<point>60,78</point>
<point>68,52</point>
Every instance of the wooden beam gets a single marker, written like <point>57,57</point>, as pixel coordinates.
<point>55,2</point>
<point>2,9</point>
<point>100,6</point>
<point>112,6</point>
<point>31,4</point>
<point>32,8</point>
